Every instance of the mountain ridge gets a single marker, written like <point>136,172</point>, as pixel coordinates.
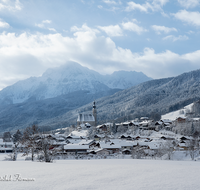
<point>67,79</point>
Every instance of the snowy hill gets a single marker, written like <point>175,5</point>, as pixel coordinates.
<point>179,113</point>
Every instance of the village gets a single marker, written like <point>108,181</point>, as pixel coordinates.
<point>141,138</point>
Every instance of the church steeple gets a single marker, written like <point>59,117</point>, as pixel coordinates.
<point>94,112</point>
<point>94,106</point>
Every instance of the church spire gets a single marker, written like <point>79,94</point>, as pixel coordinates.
<point>94,111</point>
<point>94,106</point>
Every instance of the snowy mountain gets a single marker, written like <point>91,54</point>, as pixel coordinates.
<point>124,79</point>
<point>66,79</point>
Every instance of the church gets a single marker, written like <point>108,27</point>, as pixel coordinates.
<point>89,119</point>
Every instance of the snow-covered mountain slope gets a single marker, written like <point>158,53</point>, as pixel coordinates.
<point>125,79</point>
<point>159,96</point>
<point>179,113</point>
<point>66,79</point>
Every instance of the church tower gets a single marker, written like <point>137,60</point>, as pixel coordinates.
<point>94,112</point>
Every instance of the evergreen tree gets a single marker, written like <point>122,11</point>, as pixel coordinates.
<point>17,136</point>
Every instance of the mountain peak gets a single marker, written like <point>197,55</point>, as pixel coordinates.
<point>69,78</point>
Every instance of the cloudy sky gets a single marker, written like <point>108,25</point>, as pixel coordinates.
<point>160,38</point>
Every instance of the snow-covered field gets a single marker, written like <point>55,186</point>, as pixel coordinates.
<point>102,174</point>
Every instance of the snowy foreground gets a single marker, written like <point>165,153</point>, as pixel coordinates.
<point>102,174</point>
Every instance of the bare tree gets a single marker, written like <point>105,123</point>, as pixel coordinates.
<point>45,148</point>
<point>168,148</point>
<point>30,139</point>
<point>138,152</point>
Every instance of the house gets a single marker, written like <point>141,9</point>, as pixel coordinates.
<point>181,120</point>
<point>99,137</point>
<point>6,147</point>
<point>111,147</point>
<point>126,151</point>
<point>182,146</point>
<point>75,149</point>
<point>126,145</point>
<point>102,152</point>
<point>102,128</point>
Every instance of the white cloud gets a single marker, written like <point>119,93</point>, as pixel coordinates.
<point>134,6</point>
<point>43,23</point>
<point>190,32</point>
<point>52,29</point>
<point>159,29</point>
<point>112,30</point>
<point>109,2</point>
<point>46,21</point>
<point>27,55</point>
<point>188,17</point>
<point>3,24</point>
<point>10,5</point>
<point>153,5</point>
<point>174,38</point>
<point>160,2</point>
<point>132,26</point>
<point>189,3</point>
<point>100,6</point>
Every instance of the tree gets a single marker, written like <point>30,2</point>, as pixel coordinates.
<point>17,136</point>
<point>16,140</point>
<point>168,148</point>
<point>7,137</point>
<point>192,148</point>
<point>30,139</point>
<point>192,129</point>
<point>138,152</point>
<point>45,148</point>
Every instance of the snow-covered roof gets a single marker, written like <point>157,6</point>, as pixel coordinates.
<point>126,143</point>
<point>82,133</point>
<point>85,117</point>
<point>100,136</point>
<point>154,145</point>
<point>166,120</point>
<point>76,147</point>
<point>109,145</point>
<point>142,118</point>
<point>101,149</point>
<point>6,143</point>
<point>145,122</point>
<point>99,126</point>
<point>195,119</point>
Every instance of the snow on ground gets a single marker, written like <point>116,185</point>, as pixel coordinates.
<point>112,174</point>
<point>178,113</point>
<point>82,133</point>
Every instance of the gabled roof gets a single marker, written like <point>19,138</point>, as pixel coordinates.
<point>85,117</point>
<point>76,147</point>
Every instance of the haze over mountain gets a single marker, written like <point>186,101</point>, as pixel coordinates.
<point>57,91</point>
